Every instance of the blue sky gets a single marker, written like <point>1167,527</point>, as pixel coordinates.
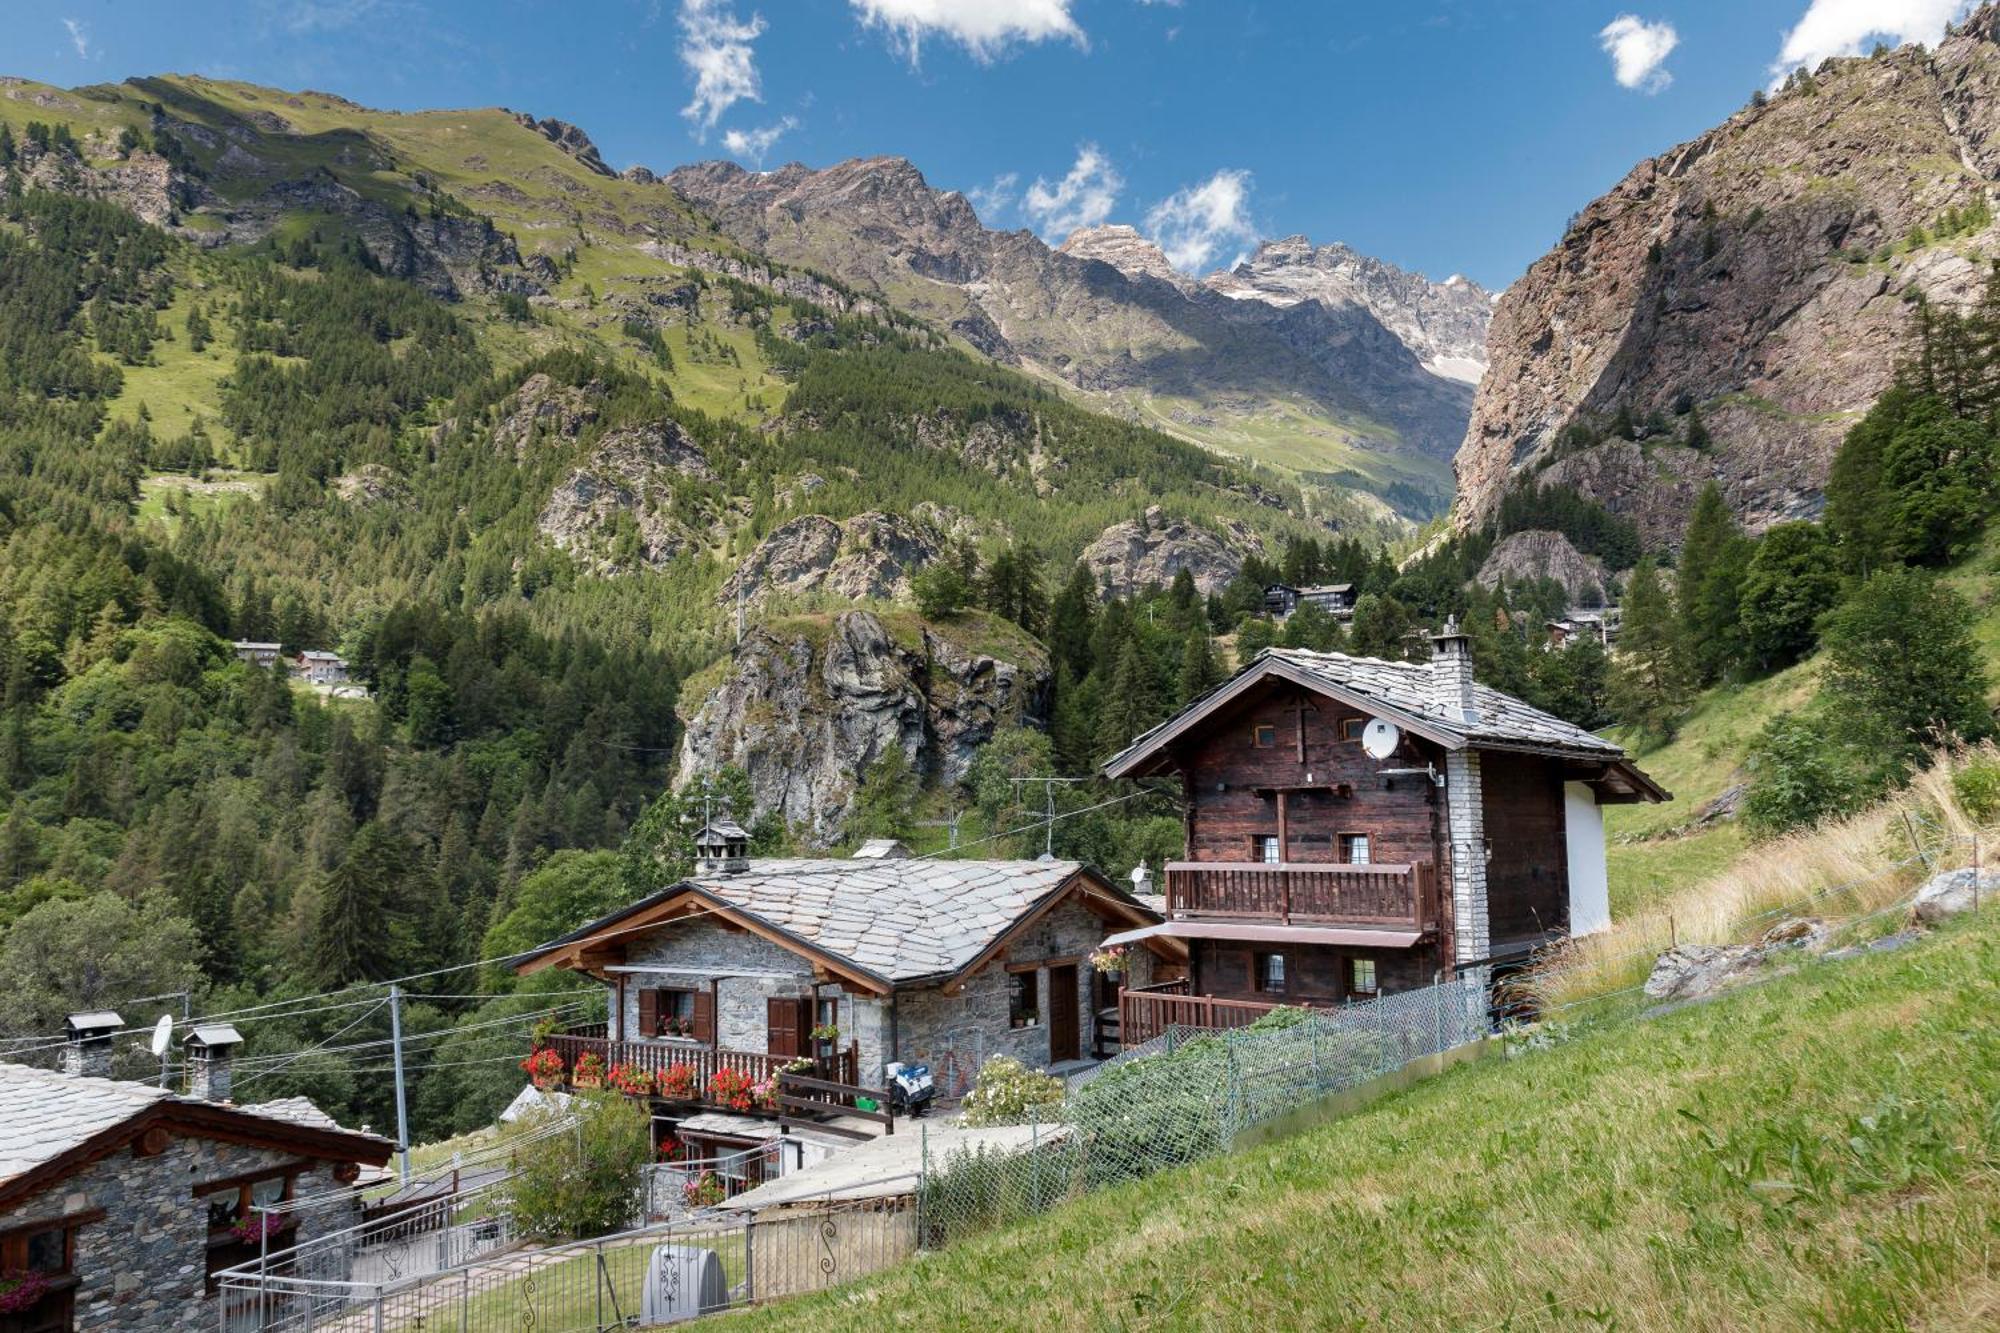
<point>1442,135</point>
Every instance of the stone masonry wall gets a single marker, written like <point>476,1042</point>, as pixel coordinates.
<point>956,1034</point>
<point>144,1266</point>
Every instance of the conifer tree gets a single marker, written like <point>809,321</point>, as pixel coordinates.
<point>1132,704</point>
<point>1651,684</point>
<point>1199,670</point>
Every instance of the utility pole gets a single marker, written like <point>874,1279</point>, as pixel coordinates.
<point>402,1106</point>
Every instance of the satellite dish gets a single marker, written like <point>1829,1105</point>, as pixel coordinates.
<point>163,1033</point>
<point>1380,738</point>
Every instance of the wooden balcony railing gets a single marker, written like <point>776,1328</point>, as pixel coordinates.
<point>1144,1012</point>
<point>1305,892</point>
<point>655,1057</point>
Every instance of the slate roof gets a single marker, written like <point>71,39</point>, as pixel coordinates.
<point>897,921</point>
<point>44,1114</point>
<point>1407,689</point>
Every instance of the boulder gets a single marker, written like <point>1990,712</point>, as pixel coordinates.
<point>869,557</point>
<point>1696,971</point>
<point>1129,557</point>
<point>807,705</point>
<point>1950,893</point>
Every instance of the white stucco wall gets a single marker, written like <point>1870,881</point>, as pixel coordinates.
<point>1589,885</point>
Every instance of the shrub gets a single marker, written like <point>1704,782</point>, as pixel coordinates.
<point>1977,786</point>
<point>1007,1092</point>
<point>1800,774</point>
<point>941,591</point>
<point>589,1183</point>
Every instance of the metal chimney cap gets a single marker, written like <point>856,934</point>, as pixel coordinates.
<point>213,1036</point>
<point>93,1023</point>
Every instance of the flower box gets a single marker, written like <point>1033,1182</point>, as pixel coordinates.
<point>589,1072</point>
<point>544,1069</point>
<point>677,1083</point>
<point>733,1089</point>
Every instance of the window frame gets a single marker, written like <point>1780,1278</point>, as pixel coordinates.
<point>1263,735</point>
<point>1262,979</point>
<point>666,1006</point>
<point>1343,844</point>
<point>1264,849</point>
<point>1024,983</point>
<point>1354,973</point>
<point>1351,729</point>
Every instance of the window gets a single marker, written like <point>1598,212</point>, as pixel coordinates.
<point>1265,848</point>
<point>48,1248</point>
<point>1354,849</point>
<point>1264,735</point>
<point>1271,973</point>
<point>1352,727</point>
<point>232,1204</point>
<point>666,1012</point>
<point>1023,1004</point>
<point>1363,978</point>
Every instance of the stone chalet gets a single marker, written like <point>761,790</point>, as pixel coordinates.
<point>127,1198</point>
<point>852,963</point>
<point>1357,826</point>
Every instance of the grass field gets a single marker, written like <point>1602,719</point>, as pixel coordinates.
<point>1818,1152</point>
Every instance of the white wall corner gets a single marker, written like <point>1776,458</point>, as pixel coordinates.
<point>1589,878</point>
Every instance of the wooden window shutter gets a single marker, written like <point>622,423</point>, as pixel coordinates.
<point>781,1020</point>
<point>704,1016</point>
<point>649,1012</point>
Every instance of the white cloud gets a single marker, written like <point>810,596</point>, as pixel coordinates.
<point>1191,225</point>
<point>1083,198</point>
<point>715,47</point>
<point>983,27</point>
<point>1847,27</point>
<point>79,37</point>
<point>752,145</point>
<point>992,200</point>
<point>1638,49</point>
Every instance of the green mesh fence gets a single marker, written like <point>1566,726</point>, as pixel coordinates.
<point>1185,1096</point>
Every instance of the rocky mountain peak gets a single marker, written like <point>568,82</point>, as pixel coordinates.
<point>568,138</point>
<point>1443,323</point>
<point>1123,248</point>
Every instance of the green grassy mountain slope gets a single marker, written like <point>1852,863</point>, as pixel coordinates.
<point>1815,1152</point>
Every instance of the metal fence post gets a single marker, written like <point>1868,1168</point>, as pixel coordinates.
<point>749,1259</point>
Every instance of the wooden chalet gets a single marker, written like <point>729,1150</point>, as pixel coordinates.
<point>1356,826</point>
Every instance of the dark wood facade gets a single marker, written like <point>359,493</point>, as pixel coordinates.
<point>1527,866</point>
<point>1289,821</point>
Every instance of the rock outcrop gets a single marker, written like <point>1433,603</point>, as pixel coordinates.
<point>614,512</point>
<point>1947,894</point>
<point>1760,272</point>
<point>371,484</point>
<point>867,558</point>
<point>1124,249</point>
<point>1696,971</point>
<point>808,705</point>
<point>543,409</point>
<point>1545,555</point>
<point>1141,553</point>
<point>1444,323</point>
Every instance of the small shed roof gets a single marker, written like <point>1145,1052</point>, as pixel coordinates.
<point>889,1166</point>
<point>94,1020</point>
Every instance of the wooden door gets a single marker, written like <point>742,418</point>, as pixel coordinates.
<point>785,1018</point>
<point>1065,1036</point>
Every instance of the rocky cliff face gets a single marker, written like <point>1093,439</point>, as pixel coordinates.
<point>807,705</point>
<point>1104,314</point>
<point>614,512</point>
<point>1758,272</point>
<point>1130,557</point>
<point>1546,555</point>
<point>1443,323</point>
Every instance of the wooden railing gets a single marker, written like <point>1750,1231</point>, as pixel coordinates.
<point>656,1057</point>
<point>1145,1012</point>
<point>1318,892</point>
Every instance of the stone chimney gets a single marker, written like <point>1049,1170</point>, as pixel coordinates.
<point>722,848</point>
<point>1451,673</point>
<point>211,1048</point>
<point>88,1054</point>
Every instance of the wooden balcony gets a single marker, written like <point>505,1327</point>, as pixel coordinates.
<point>1144,1012</point>
<point>1305,893</point>
<point>656,1057</point>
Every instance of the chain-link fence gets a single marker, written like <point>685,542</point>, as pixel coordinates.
<point>1186,1095</point>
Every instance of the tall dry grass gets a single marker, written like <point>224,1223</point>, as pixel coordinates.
<point>1844,868</point>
